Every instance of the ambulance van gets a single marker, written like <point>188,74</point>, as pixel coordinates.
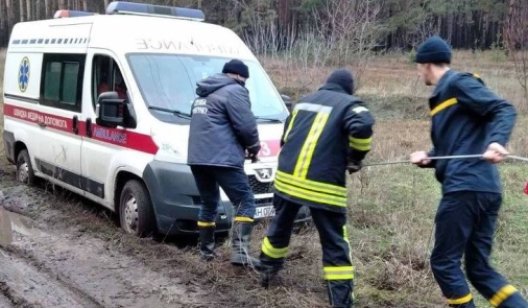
<point>99,105</point>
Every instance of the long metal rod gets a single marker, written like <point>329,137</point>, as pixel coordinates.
<point>449,157</point>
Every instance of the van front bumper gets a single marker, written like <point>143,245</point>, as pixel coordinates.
<point>176,200</point>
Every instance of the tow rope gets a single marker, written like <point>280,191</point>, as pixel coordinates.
<point>450,157</point>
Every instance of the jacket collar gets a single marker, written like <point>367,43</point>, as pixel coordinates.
<point>443,82</point>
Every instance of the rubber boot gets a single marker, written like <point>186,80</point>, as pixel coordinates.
<point>267,274</point>
<point>241,237</point>
<point>340,293</point>
<point>207,243</point>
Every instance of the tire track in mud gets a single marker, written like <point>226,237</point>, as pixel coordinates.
<point>82,272</point>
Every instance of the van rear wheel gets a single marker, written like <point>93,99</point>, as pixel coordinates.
<point>135,210</point>
<point>24,171</point>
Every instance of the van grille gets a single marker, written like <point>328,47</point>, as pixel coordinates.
<point>258,187</point>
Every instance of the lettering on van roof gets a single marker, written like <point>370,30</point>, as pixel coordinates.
<point>188,46</point>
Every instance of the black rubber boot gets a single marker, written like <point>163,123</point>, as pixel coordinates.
<point>207,243</point>
<point>340,293</point>
<point>267,274</point>
<point>241,237</point>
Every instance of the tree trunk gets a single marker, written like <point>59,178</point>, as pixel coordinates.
<point>85,5</point>
<point>29,12</point>
<point>106,2</point>
<point>62,4</point>
<point>22,10</point>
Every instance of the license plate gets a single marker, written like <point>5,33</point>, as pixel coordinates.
<point>264,211</point>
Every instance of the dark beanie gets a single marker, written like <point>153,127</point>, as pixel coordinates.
<point>343,78</point>
<point>236,67</point>
<point>434,50</point>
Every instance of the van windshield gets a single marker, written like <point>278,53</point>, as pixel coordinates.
<point>168,83</point>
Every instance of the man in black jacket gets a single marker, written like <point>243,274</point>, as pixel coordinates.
<point>223,129</point>
<point>328,133</point>
<point>467,118</point>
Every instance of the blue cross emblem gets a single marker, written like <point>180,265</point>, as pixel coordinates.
<point>23,74</point>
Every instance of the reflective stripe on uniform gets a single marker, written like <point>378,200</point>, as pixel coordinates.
<point>305,156</point>
<point>310,195</point>
<point>345,237</point>
<point>360,144</point>
<point>206,224</point>
<point>338,272</point>
<point>502,295</point>
<point>312,185</point>
<point>272,252</point>
<point>243,219</point>
<point>461,300</point>
<point>290,126</point>
<point>446,104</point>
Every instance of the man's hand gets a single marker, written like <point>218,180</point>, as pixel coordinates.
<point>495,153</point>
<point>354,167</point>
<point>253,153</point>
<point>420,158</point>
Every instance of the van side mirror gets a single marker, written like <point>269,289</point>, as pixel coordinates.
<point>110,110</point>
<point>288,102</point>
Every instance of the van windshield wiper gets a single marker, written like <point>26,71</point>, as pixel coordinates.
<point>274,120</point>
<point>175,112</point>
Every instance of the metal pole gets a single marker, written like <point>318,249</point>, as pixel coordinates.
<point>449,157</point>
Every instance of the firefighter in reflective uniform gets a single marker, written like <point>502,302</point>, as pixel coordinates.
<point>467,118</point>
<point>327,133</point>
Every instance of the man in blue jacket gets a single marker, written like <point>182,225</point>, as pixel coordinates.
<point>467,118</point>
<point>223,129</point>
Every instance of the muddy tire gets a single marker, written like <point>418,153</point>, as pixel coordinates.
<point>135,210</point>
<point>24,170</point>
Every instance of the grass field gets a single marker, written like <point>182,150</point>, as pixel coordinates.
<point>391,208</point>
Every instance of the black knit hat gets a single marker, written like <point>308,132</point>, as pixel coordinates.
<point>236,67</point>
<point>434,50</point>
<point>343,78</point>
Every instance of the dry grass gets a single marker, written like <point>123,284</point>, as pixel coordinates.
<point>391,208</point>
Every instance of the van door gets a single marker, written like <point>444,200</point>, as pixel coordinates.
<point>58,117</point>
<point>101,145</point>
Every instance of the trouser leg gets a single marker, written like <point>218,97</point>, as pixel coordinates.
<point>337,264</point>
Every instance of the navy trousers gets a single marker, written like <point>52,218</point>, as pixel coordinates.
<point>234,182</point>
<point>465,226</point>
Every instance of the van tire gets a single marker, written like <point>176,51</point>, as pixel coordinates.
<point>24,170</point>
<point>135,210</point>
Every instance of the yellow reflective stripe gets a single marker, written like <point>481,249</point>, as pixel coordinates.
<point>290,125</point>
<point>448,103</point>
<point>206,224</point>
<point>360,144</point>
<point>338,272</point>
<point>272,252</point>
<point>461,300</point>
<point>311,185</point>
<point>345,237</point>
<point>243,219</point>
<point>502,295</point>
<point>310,195</point>
<point>308,148</point>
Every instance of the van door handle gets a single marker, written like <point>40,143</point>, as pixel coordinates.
<point>89,127</point>
<point>75,124</point>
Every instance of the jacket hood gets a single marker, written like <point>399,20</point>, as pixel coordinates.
<point>213,83</point>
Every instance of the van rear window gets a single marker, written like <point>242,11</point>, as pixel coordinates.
<point>62,81</point>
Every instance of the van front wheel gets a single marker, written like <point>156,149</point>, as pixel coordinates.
<point>135,209</point>
<point>24,171</point>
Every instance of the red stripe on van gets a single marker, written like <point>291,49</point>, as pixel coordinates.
<point>121,137</point>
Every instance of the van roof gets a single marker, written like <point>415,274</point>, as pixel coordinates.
<point>124,34</point>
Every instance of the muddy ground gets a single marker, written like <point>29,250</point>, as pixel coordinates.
<point>69,252</point>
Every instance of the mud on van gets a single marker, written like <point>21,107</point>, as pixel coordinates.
<point>99,104</point>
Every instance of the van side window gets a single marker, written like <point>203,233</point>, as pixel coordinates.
<point>106,77</point>
<point>62,77</point>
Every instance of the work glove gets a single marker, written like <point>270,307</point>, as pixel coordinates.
<point>253,152</point>
<point>354,166</point>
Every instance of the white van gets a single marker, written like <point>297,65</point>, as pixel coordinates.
<point>127,149</point>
